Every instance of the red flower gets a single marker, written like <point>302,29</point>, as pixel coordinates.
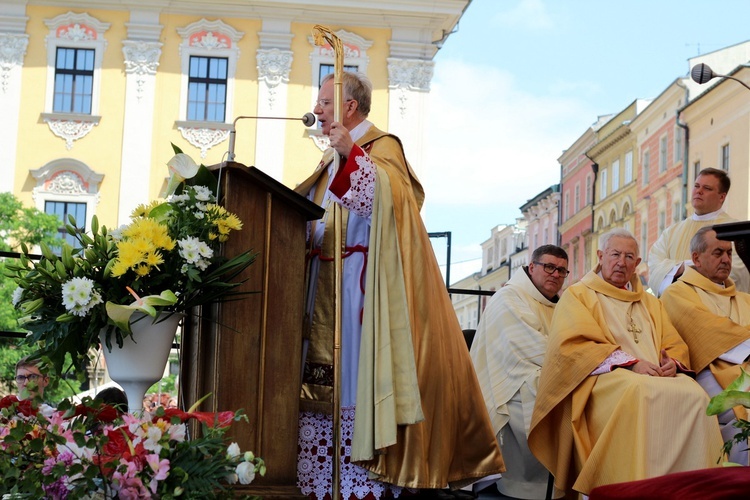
<point>220,419</point>
<point>105,413</point>
<point>25,406</point>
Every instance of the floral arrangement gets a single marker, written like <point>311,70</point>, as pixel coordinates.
<point>90,449</point>
<point>166,260</point>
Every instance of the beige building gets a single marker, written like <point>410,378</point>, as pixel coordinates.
<point>93,92</point>
<point>615,187</point>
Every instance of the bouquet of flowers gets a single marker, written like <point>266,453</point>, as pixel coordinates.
<point>80,451</point>
<point>166,260</point>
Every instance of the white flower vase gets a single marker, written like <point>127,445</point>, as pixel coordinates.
<point>140,362</point>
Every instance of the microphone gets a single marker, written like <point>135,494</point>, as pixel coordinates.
<point>702,73</point>
<point>308,120</point>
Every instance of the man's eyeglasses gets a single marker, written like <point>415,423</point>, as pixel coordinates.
<point>32,377</point>
<point>551,268</point>
<point>325,102</point>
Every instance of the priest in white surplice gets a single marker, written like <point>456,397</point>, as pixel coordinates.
<point>714,320</point>
<point>507,352</point>
<point>670,254</point>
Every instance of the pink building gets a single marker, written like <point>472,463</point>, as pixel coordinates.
<point>577,202</point>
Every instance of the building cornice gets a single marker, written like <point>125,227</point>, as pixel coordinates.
<point>437,17</point>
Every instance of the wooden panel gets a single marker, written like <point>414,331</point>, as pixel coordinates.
<point>247,352</point>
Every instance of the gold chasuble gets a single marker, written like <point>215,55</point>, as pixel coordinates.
<point>591,430</point>
<point>712,320</point>
<point>420,420</point>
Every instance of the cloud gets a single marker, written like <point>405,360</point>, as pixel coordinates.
<point>530,14</point>
<point>494,142</point>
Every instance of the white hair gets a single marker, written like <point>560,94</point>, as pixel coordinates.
<point>617,232</point>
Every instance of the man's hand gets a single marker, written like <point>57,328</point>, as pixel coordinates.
<point>668,366</point>
<point>646,368</point>
<point>341,141</point>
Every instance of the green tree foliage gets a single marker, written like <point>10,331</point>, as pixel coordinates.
<point>18,224</point>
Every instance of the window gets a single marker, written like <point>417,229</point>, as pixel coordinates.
<point>662,221</point>
<point>603,185</point>
<point>615,175</point>
<point>676,215</point>
<point>644,239</point>
<point>725,157</point>
<point>74,80</point>
<point>208,63</point>
<point>207,89</point>
<point>696,169</point>
<point>663,154</point>
<point>67,187</point>
<point>566,210</point>
<point>646,162</point>
<point>62,209</point>
<point>628,167</point>
<point>327,69</point>
<point>678,144</point>
<point>577,202</point>
<point>75,48</point>
<point>588,189</point>
<point>321,59</point>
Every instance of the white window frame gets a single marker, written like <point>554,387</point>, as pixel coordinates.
<point>577,198</point>
<point>567,204</point>
<point>75,31</point>
<point>588,189</point>
<point>67,180</point>
<point>678,136</point>
<point>645,166</point>
<point>663,153</point>
<point>209,39</point>
<point>355,54</point>
<point>628,167</point>
<point>603,184</point>
<point>725,156</point>
<point>615,175</point>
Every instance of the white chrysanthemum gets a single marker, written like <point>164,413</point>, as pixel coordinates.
<point>189,249</point>
<point>79,296</point>
<point>233,451</point>
<point>202,193</point>
<point>201,206</point>
<point>199,215</point>
<point>245,472</point>
<point>179,198</point>
<point>17,293</point>
<point>116,234</point>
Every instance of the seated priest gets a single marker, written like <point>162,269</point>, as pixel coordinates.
<point>714,320</point>
<point>616,400</point>
<point>507,353</point>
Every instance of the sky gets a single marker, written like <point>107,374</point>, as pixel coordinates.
<point>521,80</point>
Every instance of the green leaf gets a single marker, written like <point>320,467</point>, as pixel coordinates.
<point>736,394</point>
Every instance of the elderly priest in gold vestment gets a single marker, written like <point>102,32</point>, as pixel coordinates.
<point>714,320</point>
<point>616,400</point>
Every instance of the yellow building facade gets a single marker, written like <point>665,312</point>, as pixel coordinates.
<point>615,186</point>
<point>93,92</point>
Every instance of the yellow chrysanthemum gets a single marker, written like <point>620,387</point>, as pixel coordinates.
<point>142,270</point>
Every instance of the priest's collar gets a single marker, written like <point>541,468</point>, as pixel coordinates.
<point>360,130</point>
<point>710,216</point>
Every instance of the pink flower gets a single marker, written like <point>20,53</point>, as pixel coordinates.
<point>160,468</point>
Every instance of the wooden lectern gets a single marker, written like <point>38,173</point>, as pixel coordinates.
<point>247,352</point>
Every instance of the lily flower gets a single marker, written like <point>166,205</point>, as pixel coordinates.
<point>181,167</point>
<point>120,314</point>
